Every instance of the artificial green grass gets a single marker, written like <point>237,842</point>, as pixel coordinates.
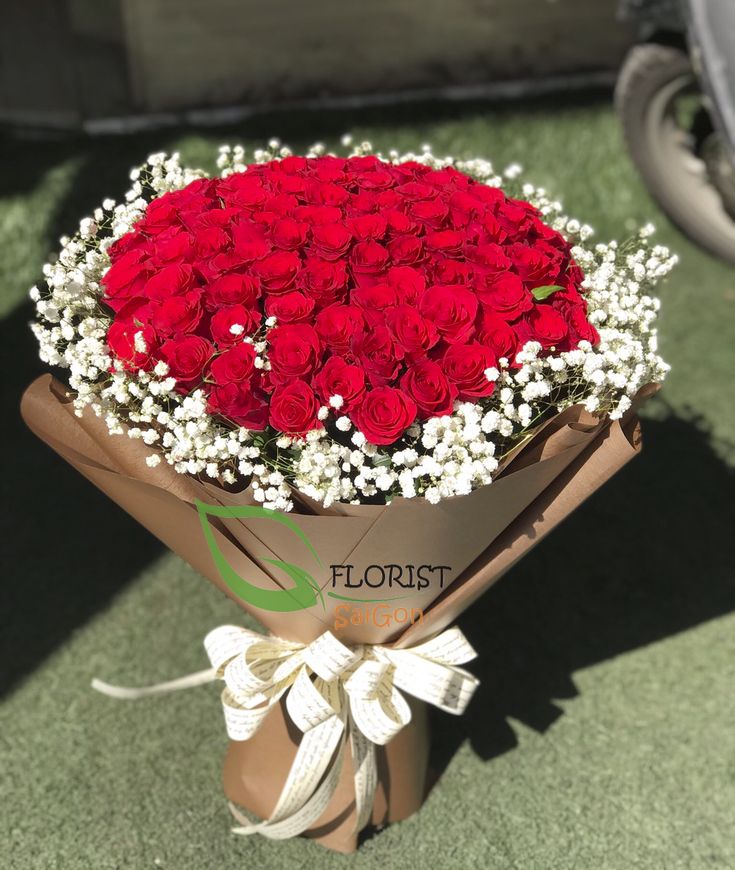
<point>602,736</point>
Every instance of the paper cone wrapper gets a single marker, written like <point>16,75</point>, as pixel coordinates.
<point>365,553</point>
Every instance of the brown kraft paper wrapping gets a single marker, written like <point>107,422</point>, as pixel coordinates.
<point>256,769</point>
<point>479,536</point>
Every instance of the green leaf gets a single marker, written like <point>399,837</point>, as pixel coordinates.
<point>544,292</point>
<point>304,593</point>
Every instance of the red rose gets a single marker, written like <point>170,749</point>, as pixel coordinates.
<point>429,388</point>
<point>534,267</point>
<point>323,281</point>
<point>465,365</point>
<point>232,289</point>
<point>160,214</point>
<point>186,357</point>
<point>290,185</point>
<point>293,165</point>
<point>378,354</point>
<point>574,274</point>
<point>430,212</point>
<point>326,194</point>
<point>463,206</point>
<point>544,325</point>
<point>209,241</point>
<point>447,178</point>
<point>491,259</point>
<point>291,307</point>
<point>250,242</point>
<point>473,233</point>
<point>493,229</point>
<point>375,180</point>
<point>406,250</point>
<point>497,334</point>
<point>178,314</point>
<point>363,202</point>
<point>366,163</point>
<point>452,272</point>
<point>132,241</point>
<point>121,341</point>
<point>127,277</point>
<point>368,226</point>
<point>174,245</point>
<point>582,328</point>
<point>238,403</point>
<point>376,297</point>
<point>171,280</point>
<point>384,415</point>
<point>330,241</point>
<point>281,205</point>
<point>448,242</point>
<point>219,265</point>
<point>213,217</point>
<point>368,257</point>
<point>492,196</point>
<point>234,365</point>
<point>506,296</point>
<point>293,408</point>
<point>338,378</point>
<point>416,190</point>
<point>409,282</point>
<point>566,297</point>
<point>242,190</point>
<point>278,271</point>
<point>231,324</point>
<point>138,309</point>
<point>294,352</point>
<point>289,234</point>
<point>452,308</point>
<point>516,217</point>
<point>400,224</point>
<point>318,214</point>
<point>198,193</point>
<point>413,333</point>
<point>330,168</point>
<point>338,326</point>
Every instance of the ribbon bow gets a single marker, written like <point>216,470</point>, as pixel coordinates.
<point>335,693</point>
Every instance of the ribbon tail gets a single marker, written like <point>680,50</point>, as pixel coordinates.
<point>129,693</point>
<point>301,803</point>
<point>356,695</point>
<point>365,775</point>
<point>299,821</point>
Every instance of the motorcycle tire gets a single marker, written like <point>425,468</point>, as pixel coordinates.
<point>669,158</point>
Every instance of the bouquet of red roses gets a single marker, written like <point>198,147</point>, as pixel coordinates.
<point>351,391</point>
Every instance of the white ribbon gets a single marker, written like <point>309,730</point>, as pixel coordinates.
<point>334,693</point>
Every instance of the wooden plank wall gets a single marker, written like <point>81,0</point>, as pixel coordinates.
<point>63,62</point>
<point>261,52</point>
<point>37,81</point>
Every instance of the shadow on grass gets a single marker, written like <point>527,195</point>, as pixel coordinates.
<point>66,548</point>
<point>648,556</point>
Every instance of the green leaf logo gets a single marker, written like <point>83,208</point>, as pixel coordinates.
<point>544,292</point>
<point>305,591</point>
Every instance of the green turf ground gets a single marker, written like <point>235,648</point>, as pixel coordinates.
<point>603,735</point>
